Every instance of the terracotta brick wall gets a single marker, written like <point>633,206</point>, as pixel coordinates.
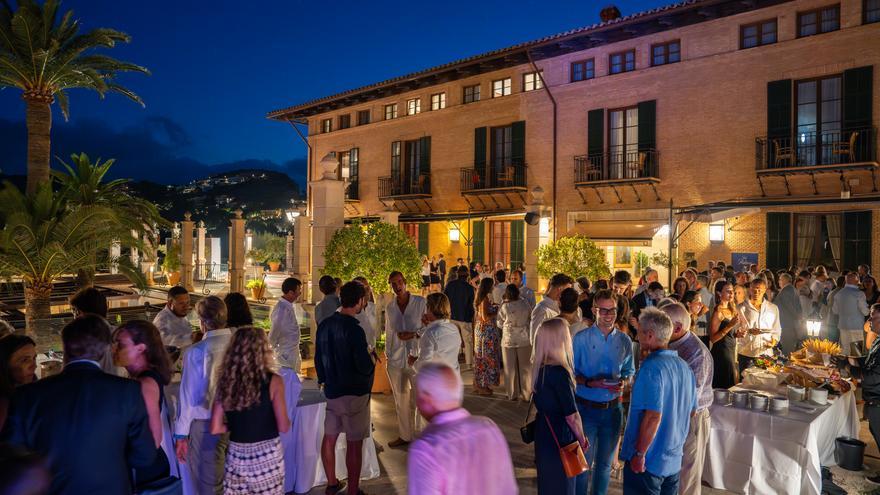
<point>746,234</point>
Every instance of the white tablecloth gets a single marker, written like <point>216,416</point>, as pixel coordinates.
<point>762,453</point>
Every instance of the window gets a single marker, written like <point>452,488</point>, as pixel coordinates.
<point>623,142</point>
<point>819,113</point>
<point>471,93</point>
<point>583,70</point>
<point>391,111</point>
<point>499,242</point>
<point>413,106</point>
<point>757,34</point>
<point>871,11</point>
<point>344,121</point>
<point>622,62</point>
<point>533,81</point>
<point>326,125</point>
<point>438,101</point>
<point>363,117</point>
<point>818,21</point>
<point>666,53</point>
<point>501,87</point>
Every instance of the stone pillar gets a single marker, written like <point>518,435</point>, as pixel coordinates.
<point>186,251</point>
<point>236,253</point>
<point>201,259</point>
<point>302,244</point>
<point>115,253</point>
<point>390,216</point>
<point>288,251</point>
<point>535,238</point>
<point>328,216</point>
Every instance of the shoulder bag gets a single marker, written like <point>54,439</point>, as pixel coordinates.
<point>527,432</point>
<point>572,456</point>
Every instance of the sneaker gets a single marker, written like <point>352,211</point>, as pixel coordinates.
<point>397,443</point>
<point>874,479</point>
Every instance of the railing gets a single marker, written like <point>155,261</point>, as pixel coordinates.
<point>811,149</point>
<point>623,165</point>
<point>351,190</point>
<point>493,176</point>
<point>394,186</point>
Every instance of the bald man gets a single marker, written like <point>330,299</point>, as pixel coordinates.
<point>692,350</point>
<point>450,455</point>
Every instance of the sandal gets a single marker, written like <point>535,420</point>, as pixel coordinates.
<point>334,489</point>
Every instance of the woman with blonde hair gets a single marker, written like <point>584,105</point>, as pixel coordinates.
<point>553,386</point>
<point>249,404</point>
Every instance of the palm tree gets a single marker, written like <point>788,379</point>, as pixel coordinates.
<point>44,55</point>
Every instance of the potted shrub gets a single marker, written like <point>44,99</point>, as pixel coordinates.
<point>257,287</point>
<point>274,251</point>
<point>171,264</point>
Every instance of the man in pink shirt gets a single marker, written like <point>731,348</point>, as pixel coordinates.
<point>450,455</point>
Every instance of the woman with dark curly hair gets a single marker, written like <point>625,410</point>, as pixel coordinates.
<point>250,405</point>
<point>137,347</point>
<point>238,312</point>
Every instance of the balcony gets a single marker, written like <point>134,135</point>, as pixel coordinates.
<point>617,169</point>
<point>397,187</point>
<point>816,153</point>
<point>493,188</point>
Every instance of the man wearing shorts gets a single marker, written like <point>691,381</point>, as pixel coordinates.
<point>345,369</point>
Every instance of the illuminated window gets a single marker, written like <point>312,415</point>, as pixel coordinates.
<point>391,111</point>
<point>471,93</point>
<point>533,81</point>
<point>501,87</point>
<point>326,125</point>
<point>413,106</point>
<point>438,101</point>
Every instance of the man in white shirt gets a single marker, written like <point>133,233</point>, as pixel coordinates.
<point>549,306</point>
<point>171,321</point>
<point>284,336</point>
<point>456,453</point>
<point>851,308</point>
<point>403,324</point>
<point>204,453</point>
<point>765,328</point>
<point>500,287</point>
<point>367,317</point>
<point>525,293</point>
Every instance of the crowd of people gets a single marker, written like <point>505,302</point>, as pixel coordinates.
<point>615,367</point>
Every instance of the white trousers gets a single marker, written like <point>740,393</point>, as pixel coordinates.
<point>517,365</point>
<point>401,387</point>
<point>467,338</point>
<point>695,446</point>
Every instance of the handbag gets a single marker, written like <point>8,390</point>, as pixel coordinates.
<point>572,455</point>
<point>527,432</point>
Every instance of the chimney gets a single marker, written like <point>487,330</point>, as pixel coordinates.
<point>609,13</point>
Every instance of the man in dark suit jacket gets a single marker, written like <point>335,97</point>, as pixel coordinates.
<point>790,314</point>
<point>648,297</point>
<point>91,426</point>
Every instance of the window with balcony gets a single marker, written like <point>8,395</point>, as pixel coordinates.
<point>471,94</point>
<point>757,34</point>
<point>344,121</point>
<point>870,11</point>
<point>410,169</point>
<point>666,53</point>
<point>363,117</point>
<point>583,70</point>
<point>819,109</point>
<point>623,139</point>
<point>622,62</point>
<point>391,111</point>
<point>348,171</point>
<point>413,106</point>
<point>438,101</point>
<point>818,21</point>
<point>621,145</point>
<point>533,81</point>
<point>326,125</point>
<point>499,158</point>
<point>501,87</point>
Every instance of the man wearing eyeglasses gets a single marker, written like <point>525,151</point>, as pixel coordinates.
<point>603,366</point>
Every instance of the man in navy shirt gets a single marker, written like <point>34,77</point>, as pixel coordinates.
<point>663,400</point>
<point>603,363</point>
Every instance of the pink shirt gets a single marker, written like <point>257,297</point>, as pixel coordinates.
<point>450,457</point>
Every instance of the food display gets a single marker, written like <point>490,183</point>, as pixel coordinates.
<point>821,346</point>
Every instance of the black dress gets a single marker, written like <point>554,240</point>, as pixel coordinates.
<point>724,357</point>
<point>160,468</point>
<point>554,399</point>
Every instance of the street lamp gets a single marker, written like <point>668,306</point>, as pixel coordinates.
<point>291,215</point>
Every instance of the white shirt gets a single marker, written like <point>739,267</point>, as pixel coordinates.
<point>284,336</point>
<point>766,318</point>
<point>397,351</point>
<point>367,319</point>
<point>458,453</point>
<point>200,364</point>
<point>545,310</point>
<point>498,292</point>
<point>440,342</point>
<point>175,330</point>
<point>513,320</point>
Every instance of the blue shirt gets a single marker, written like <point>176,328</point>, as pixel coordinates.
<point>596,356</point>
<point>667,385</point>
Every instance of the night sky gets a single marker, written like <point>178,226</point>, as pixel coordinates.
<point>218,67</point>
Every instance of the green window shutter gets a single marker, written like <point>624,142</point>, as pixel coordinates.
<point>596,131</point>
<point>518,143</point>
<point>517,243</point>
<point>856,239</point>
<point>395,159</point>
<point>425,157</point>
<point>779,109</point>
<point>857,84</point>
<point>423,239</point>
<point>478,241</point>
<point>778,241</point>
<point>647,125</point>
<point>480,137</point>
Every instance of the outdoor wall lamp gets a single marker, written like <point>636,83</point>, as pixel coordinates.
<point>716,232</point>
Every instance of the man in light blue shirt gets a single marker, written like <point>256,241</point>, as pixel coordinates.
<point>663,400</point>
<point>603,364</point>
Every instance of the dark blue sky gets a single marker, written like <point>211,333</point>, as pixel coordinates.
<point>218,68</point>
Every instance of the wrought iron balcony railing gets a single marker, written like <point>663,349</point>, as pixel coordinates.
<point>500,176</point>
<point>617,166</point>
<point>816,149</point>
<point>397,186</point>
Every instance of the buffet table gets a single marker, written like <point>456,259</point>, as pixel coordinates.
<point>757,452</point>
